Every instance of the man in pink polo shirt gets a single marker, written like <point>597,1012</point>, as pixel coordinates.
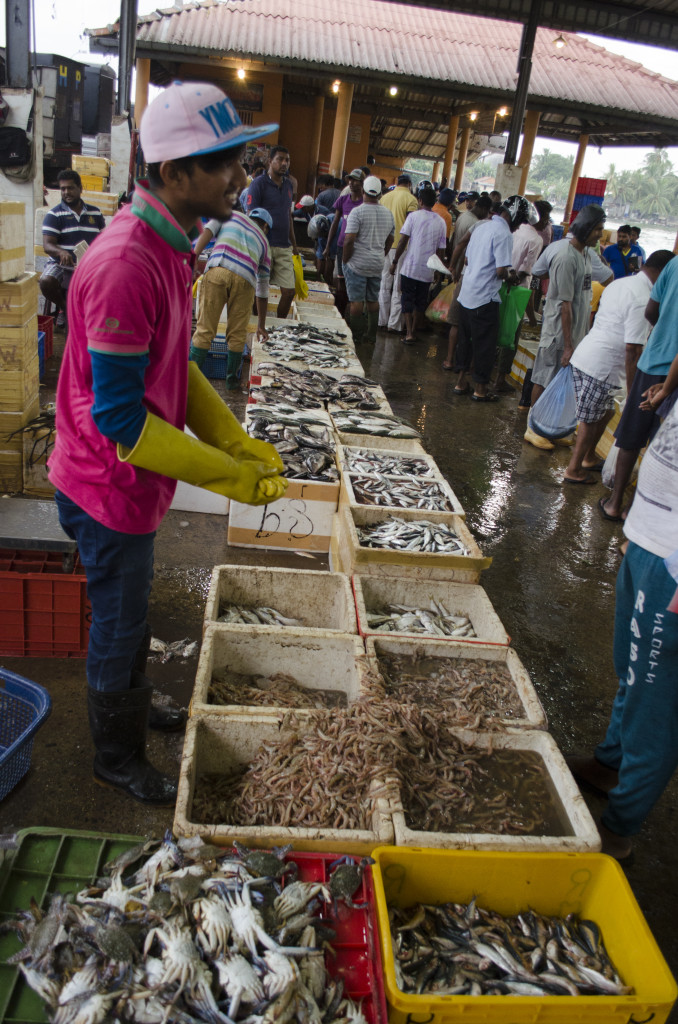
<point>126,391</point>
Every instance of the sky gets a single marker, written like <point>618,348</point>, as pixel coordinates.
<point>60,26</point>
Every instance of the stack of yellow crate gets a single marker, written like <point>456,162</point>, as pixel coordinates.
<point>93,170</point>
<point>19,380</point>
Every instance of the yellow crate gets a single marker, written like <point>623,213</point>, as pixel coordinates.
<point>12,240</point>
<point>107,202</point>
<point>18,300</point>
<point>18,346</point>
<point>90,165</point>
<point>37,448</point>
<point>607,440</point>
<point>587,884</point>
<point>19,388</point>
<point>12,424</point>
<point>11,472</point>
<point>93,182</point>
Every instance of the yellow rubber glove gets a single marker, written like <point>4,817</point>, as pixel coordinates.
<point>164,449</point>
<point>210,419</point>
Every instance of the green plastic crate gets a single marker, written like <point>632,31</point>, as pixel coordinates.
<point>46,860</point>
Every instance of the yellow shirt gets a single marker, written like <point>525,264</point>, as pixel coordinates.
<point>400,202</point>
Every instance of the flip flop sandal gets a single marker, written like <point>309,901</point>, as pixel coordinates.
<point>597,468</point>
<point>588,479</point>
<point>606,515</point>
<point>485,398</point>
<point>448,366</point>
<point>461,391</point>
<point>409,341</point>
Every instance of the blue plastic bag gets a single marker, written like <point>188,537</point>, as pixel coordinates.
<point>554,414</point>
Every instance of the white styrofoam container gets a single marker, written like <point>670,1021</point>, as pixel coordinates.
<point>346,453</point>
<point>379,396</point>
<point>319,600</point>
<point>580,835</point>
<point>374,593</point>
<point>316,658</point>
<point>348,555</point>
<point>214,743</point>
<point>534,716</point>
<point>188,498</point>
<point>299,521</point>
<point>348,496</point>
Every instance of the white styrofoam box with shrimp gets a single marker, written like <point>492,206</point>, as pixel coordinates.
<point>220,744</point>
<point>316,659</point>
<point>317,600</point>
<point>533,715</point>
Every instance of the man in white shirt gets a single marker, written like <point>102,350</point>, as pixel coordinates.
<point>488,263</point>
<point>606,356</point>
<point>634,763</point>
<point>422,235</point>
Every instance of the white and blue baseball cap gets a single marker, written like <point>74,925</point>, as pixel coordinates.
<point>261,214</point>
<point>192,119</point>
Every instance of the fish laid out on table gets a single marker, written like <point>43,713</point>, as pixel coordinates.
<point>412,535</point>
<point>364,462</point>
<point>379,424</point>
<point>397,493</point>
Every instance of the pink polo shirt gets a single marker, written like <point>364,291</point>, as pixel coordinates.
<point>131,295</point>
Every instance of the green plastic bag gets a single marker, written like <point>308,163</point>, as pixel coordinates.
<point>514,302</point>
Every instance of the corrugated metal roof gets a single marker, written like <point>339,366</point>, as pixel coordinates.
<point>466,58</point>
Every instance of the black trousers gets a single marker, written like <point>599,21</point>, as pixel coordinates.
<point>477,340</point>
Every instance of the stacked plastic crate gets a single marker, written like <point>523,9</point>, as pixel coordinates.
<point>19,361</point>
<point>589,190</point>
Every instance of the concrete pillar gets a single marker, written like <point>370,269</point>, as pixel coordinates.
<point>343,115</point>
<point>314,147</point>
<point>576,173</point>
<point>461,159</point>
<point>436,171</point>
<point>451,146</point>
<point>529,135</point>
<point>143,67</point>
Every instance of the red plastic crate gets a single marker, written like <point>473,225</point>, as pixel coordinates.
<point>46,324</point>
<point>592,186</point>
<point>358,952</point>
<point>44,612</point>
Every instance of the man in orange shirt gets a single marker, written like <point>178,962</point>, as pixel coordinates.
<point>442,208</point>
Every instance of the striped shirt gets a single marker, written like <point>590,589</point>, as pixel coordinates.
<point>242,247</point>
<point>70,228</point>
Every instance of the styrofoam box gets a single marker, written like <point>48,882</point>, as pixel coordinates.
<point>380,397</point>
<point>316,658</point>
<point>580,835</point>
<point>411,445</point>
<point>348,555</point>
<point>214,743</point>
<point>454,505</point>
<point>318,600</point>
<point>353,367</point>
<point>374,593</point>
<point>346,452</point>
<point>299,521</point>
<point>534,716</point>
<point>188,498</point>
<point>319,414</point>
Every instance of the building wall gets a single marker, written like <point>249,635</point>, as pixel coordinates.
<point>225,77</point>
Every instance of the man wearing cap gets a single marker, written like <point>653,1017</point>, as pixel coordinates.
<point>567,308</point>
<point>126,391</point>
<point>343,206</point>
<point>370,229</point>
<point>400,202</point>
<point>444,207</point>
<point>238,268</point>
<point>274,191</point>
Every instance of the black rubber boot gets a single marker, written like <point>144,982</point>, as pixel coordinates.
<point>118,723</point>
<point>162,719</point>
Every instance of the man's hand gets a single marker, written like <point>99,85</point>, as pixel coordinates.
<point>262,334</point>
<point>66,259</point>
<point>392,269</point>
<point>653,397</point>
<point>567,355</point>
<point>295,251</point>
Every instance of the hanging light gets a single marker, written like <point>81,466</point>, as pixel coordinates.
<point>241,73</point>
<point>393,90</point>
<point>335,85</point>
<point>502,112</point>
<point>473,116</point>
<point>560,42</point>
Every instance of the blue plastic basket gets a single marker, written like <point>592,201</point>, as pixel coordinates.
<point>216,360</point>
<point>24,706</point>
<point>41,354</point>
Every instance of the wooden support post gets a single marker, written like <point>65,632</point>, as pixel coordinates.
<point>461,159</point>
<point>436,171</point>
<point>314,148</point>
<point>452,132</point>
<point>576,172</point>
<point>143,66</point>
<point>529,137</point>
<point>344,101</point>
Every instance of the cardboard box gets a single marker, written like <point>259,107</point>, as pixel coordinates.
<point>18,301</point>
<point>18,345</point>
<point>12,424</point>
<point>37,448</point>
<point>12,240</point>
<point>87,165</point>
<point>11,472</point>
<point>19,388</point>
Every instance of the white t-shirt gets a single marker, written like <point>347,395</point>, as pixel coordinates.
<point>620,321</point>
<point>490,248</point>
<point>426,231</point>
<point>527,245</point>
<point>652,522</point>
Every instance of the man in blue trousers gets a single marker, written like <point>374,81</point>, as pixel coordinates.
<point>639,754</point>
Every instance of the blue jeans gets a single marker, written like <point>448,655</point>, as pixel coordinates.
<point>119,568</point>
<point>642,736</point>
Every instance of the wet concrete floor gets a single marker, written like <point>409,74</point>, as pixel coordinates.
<point>551,583</point>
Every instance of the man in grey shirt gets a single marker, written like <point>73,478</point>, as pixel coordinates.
<point>568,306</point>
<point>370,230</point>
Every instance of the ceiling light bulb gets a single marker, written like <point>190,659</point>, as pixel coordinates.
<point>241,73</point>
<point>473,116</point>
<point>503,111</point>
<point>335,86</point>
<point>560,42</point>
<point>393,90</point>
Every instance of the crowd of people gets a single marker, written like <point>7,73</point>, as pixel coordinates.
<point>386,251</point>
